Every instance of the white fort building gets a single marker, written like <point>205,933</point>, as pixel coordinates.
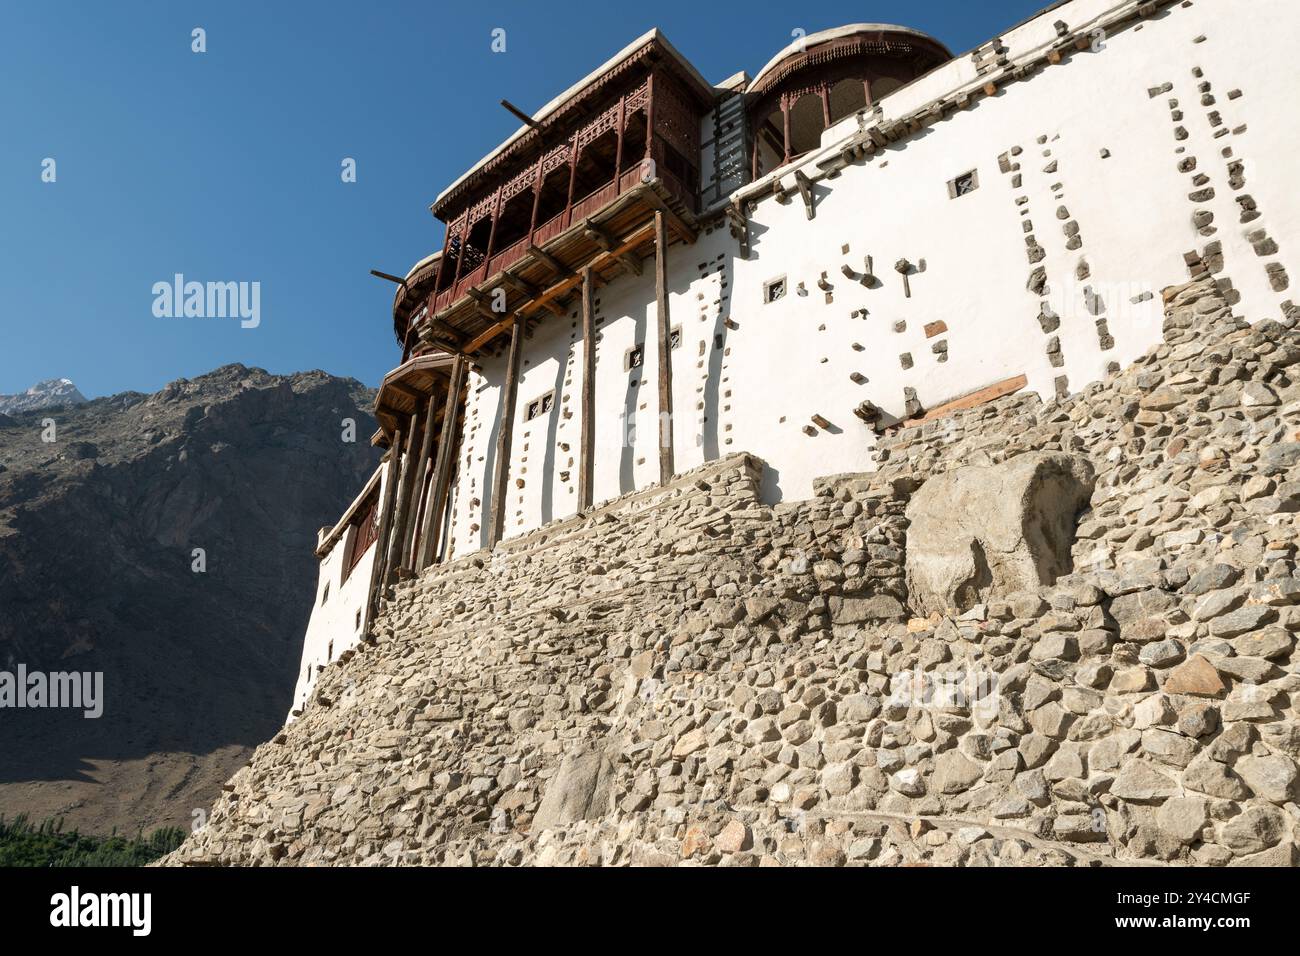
<point>658,270</point>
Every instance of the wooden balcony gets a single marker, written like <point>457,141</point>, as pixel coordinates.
<point>562,198</point>
<point>404,389</point>
<point>610,231</point>
<point>488,272</point>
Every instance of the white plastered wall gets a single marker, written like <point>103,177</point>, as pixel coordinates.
<point>1094,151</point>
<point>338,621</point>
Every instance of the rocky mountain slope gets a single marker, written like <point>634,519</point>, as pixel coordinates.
<point>98,531</point>
<point>48,394</point>
<point>1057,634</point>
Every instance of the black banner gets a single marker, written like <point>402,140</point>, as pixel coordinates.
<point>262,906</point>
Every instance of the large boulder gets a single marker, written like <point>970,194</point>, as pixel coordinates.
<point>580,789</point>
<point>985,531</point>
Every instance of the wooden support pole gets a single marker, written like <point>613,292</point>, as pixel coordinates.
<point>679,225</point>
<point>665,431</point>
<point>393,551</point>
<point>586,463</point>
<point>573,179</point>
<point>785,122</point>
<point>411,527</point>
<point>438,485</point>
<point>385,522</point>
<point>618,146</point>
<point>505,430</point>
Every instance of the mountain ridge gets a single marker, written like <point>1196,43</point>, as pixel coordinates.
<point>50,393</point>
<point>166,541</point>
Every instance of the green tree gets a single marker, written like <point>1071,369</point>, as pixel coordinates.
<point>23,843</point>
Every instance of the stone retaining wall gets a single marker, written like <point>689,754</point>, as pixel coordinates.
<point>687,675</point>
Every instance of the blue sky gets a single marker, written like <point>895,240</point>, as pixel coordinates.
<point>225,165</point>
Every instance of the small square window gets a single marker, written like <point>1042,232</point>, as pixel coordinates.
<point>635,357</point>
<point>675,337</point>
<point>539,406</point>
<point>966,183</point>
<point>774,289</point>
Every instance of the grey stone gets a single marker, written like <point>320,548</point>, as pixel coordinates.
<point>1183,818</point>
<point>953,772</point>
<point>1255,829</point>
<point>1269,644</point>
<point>1161,654</point>
<point>1140,782</point>
<point>1208,776</point>
<point>984,532</point>
<point>1244,619</point>
<point>1272,777</point>
<point>878,607</point>
<point>580,789</point>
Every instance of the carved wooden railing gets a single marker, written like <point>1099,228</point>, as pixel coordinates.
<point>674,123</point>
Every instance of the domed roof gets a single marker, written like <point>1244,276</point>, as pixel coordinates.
<point>406,298</point>
<point>885,31</point>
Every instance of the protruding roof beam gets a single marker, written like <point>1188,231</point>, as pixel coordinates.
<point>414,394</point>
<point>676,222</point>
<point>390,278</point>
<point>527,288</point>
<point>481,300</point>
<point>609,244</point>
<point>555,265</point>
<point>521,115</point>
<point>488,334</point>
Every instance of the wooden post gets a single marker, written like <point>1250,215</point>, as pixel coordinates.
<point>665,430</point>
<point>618,146</point>
<point>785,123</point>
<point>411,550</point>
<point>385,522</point>
<point>586,463</point>
<point>537,198</point>
<point>393,551</point>
<point>432,526</point>
<point>573,179</point>
<point>500,480</point>
<point>650,116</point>
<point>464,246</point>
<point>492,231</point>
<point>442,264</point>
<point>411,527</point>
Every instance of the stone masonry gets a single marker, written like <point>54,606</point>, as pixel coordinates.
<point>688,676</point>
